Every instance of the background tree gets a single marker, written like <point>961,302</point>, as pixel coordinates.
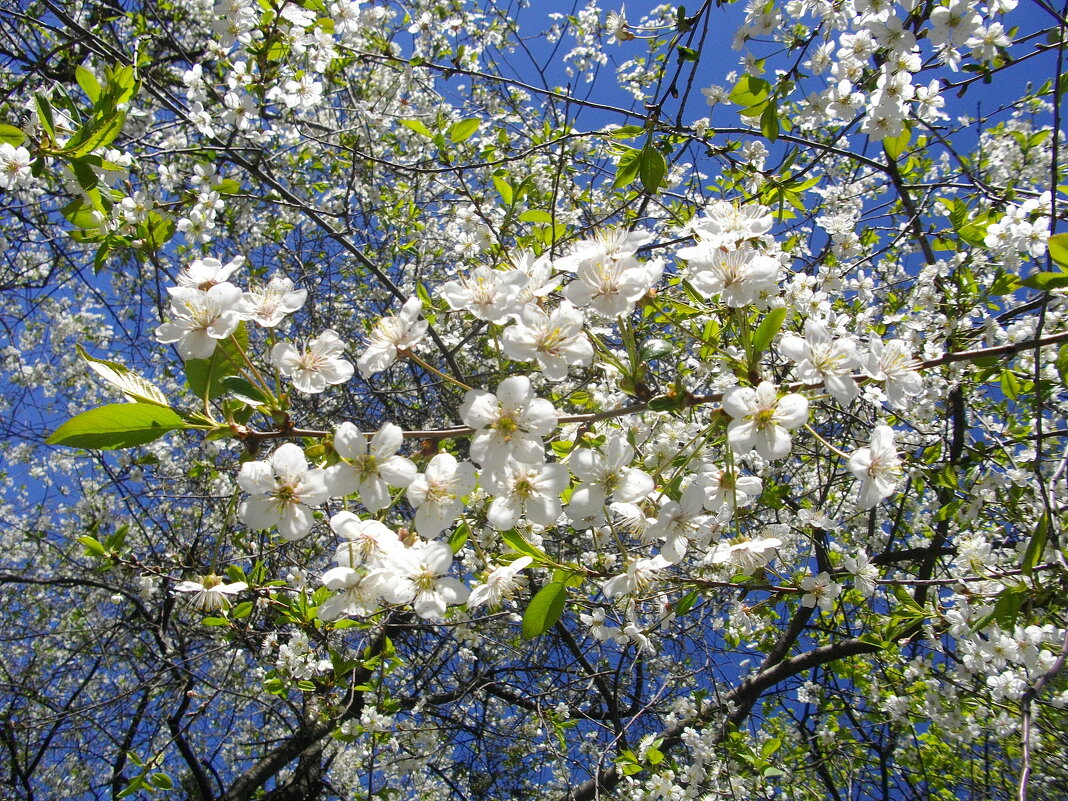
<point>728,395</point>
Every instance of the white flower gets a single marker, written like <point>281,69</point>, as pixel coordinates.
<point>863,571</point>
<point>640,574</point>
<point>508,424</point>
<point>744,554</point>
<point>437,492</point>
<point>269,305</point>
<point>555,340</point>
<point>762,419</point>
<point>820,590</point>
<point>737,276</point>
<point>366,541</point>
<point>15,165</point>
<point>283,489</point>
<point>200,319</point>
<point>681,522</point>
<point>491,295</point>
<point>615,26</point>
<point>369,468</point>
<point>210,593</point>
<point>392,337</point>
<point>821,358</point>
<point>500,585</point>
<point>599,630</point>
<point>206,273</point>
<point>525,490</point>
<point>605,473</point>
<point>359,593</point>
<point>727,489</point>
<point>318,366</point>
<point>892,362</point>
<point>415,577</point>
<point>725,224</point>
<point>609,277</point>
<point>539,271</point>
<point>877,467</point>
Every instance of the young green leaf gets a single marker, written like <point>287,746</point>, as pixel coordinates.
<point>767,330</point>
<point>88,82</point>
<point>651,168</point>
<point>126,380</point>
<point>463,130</point>
<point>11,135</point>
<point>118,425</point>
<point>545,609</point>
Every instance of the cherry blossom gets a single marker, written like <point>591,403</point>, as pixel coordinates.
<point>199,319</point>
<point>392,337</point>
<point>283,491</point>
<point>738,276</point>
<point>268,305</point>
<point>522,490</point>
<point>502,582</point>
<point>488,294</point>
<point>416,575</point>
<point>508,424</point>
<point>877,467</point>
<point>358,594</point>
<point>438,491</point>
<point>763,420</point>
<point>315,368</point>
<point>369,467</point>
<point>823,359</point>
<point>554,340</point>
<point>604,474</point>
<point>210,593</point>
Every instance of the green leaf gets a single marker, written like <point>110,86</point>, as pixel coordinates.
<point>651,168</point>
<point>769,121</point>
<point>536,216</point>
<point>81,214</point>
<point>205,376</point>
<point>894,146</point>
<point>161,781</point>
<point>95,135</point>
<point>243,390</point>
<point>516,542</point>
<point>1044,282</point>
<point>459,537</point>
<point>463,130</point>
<point>228,186</point>
<point>627,169</point>
<point>750,91</point>
<point>545,609</point>
<point>686,602</point>
<point>664,403</point>
<point>767,331</point>
<point>121,86</point>
<point>1062,363</point>
<point>119,425</point>
<point>1010,385</point>
<point>504,189</point>
<point>948,511</point>
<point>418,127</point>
<point>126,380</point>
<point>92,546</point>
<point>1058,249</point>
<point>11,135</point>
<point>1035,548</point>
<point>45,116</point>
<point>88,82</point>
